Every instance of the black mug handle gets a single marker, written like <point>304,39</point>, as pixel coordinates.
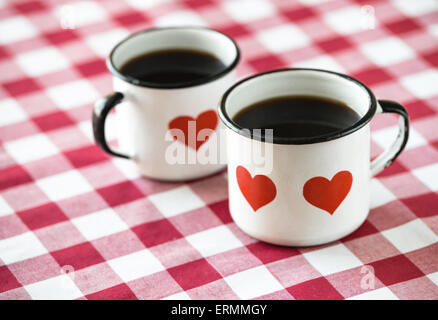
<point>100,112</point>
<point>389,155</point>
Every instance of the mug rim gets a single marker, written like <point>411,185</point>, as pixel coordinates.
<point>132,80</point>
<point>231,124</point>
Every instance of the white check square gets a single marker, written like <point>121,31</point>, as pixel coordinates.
<point>11,112</point>
<point>64,185</point>
<point>428,175</point>
<point>57,288</point>
<point>102,43</point>
<point>21,247</point>
<point>283,38</point>
<point>128,168</point>
<point>433,29</point>
<point>433,277</point>
<point>332,259</point>
<point>214,241</point>
<point>176,201</point>
<point>387,51</point>
<point>249,10</point>
<point>386,137</point>
<point>313,2</point>
<point>422,84</point>
<point>411,236</point>
<point>379,294</point>
<point>324,62</point>
<point>416,7</point>
<point>380,195</point>
<point>80,13</point>
<point>73,94</point>
<point>142,4</point>
<point>87,128</point>
<point>16,29</point>
<point>30,148</point>
<point>253,283</point>
<point>42,61</point>
<point>99,224</point>
<point>5,209</point>
<point>136,265</point>
<point>178,296</point>
<point>346,20</point>
<point>180,18</point>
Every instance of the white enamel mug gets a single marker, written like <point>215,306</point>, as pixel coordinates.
<point>146,112</point>
<point>307,191</point>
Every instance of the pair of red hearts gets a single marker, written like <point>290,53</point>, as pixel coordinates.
<point>318,191</point>
<point>260,190</point>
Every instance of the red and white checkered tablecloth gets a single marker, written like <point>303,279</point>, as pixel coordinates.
<point>77,224</point>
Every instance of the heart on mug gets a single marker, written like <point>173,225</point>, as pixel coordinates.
<point>328,194</point>
<point>258,191</point>
<point>191,127</point>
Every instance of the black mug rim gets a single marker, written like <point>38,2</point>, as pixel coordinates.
<point>115,71</point>
<point>260,136</point>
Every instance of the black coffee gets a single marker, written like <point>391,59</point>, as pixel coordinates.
<point>297,116</point>
<point>173,67</point>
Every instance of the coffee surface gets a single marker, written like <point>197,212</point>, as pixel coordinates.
<point>173,67</point>
<point>297,116</point>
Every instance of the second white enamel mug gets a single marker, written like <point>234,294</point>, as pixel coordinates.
<point>146,111</point>
<point>306,191</point>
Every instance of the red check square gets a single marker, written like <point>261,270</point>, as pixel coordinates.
<point>13,176</point>
<point>92,67</point>
<point>131,18</point>
<point>156,232</point>
<point>315,289</point>
<point>21,87</point>
<point>372,76</point>
<point>299,14</point>
<point>365,229</point>
<point>194,274</point>
<point>3,53</point>
<point>395,168</point>
<point>419,109</point>
<point>29,7</point>
<point>268,253</point>
<point>119,292</point>
<point>221,210</point>
<point>335,44</point>
<point>79,256</point>
<point>266,62</point>
<point>235,30</point>
<point>196,4</point>
<point>423,204</point>
<point>42,216</point>
<point>432,58</point>
<point>120,193</point>
<point>8,280</point>
<point>62,36</point>
<point>85,156</point>
<point>395,269</point>
<point>404,25</point>
<point>53,120</point>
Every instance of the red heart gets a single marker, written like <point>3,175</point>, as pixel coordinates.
<point>328,194</point>
<point>205,120</point>
<point>258,191</point>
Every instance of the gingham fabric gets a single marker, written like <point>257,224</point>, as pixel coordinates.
<point>77,224</point>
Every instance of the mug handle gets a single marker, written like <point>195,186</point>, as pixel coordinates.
<point>100,112</point>
<point>389,155</point>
